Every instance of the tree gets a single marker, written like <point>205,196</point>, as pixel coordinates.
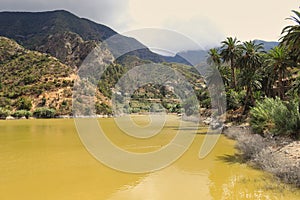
<point>214,57</point>
<point>230,52</point>
<point>277,65</point>
<point>291,36</point>
<point>214,60</point>
<point>250,63</point>
<point>214,83</point>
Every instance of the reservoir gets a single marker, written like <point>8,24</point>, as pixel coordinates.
<point>46,160</point>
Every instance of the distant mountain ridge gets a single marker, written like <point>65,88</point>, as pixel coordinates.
<point>196,57</point>
<point>34,30</point>
<point>268,45</point>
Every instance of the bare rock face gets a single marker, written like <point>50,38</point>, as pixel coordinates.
<point>68,47</point>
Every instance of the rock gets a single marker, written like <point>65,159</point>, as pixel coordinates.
<point>10,118</point>
<point>286,152</point>
<point>207,121</point>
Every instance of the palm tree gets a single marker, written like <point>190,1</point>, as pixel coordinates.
<point>214,60</point>
<point>250,63</point>
<point>230,52</point>
<point>214,57</point>
<point>296,87</point>
<point>291,38</point>
<point>214,82</point>
<point>277,65</point>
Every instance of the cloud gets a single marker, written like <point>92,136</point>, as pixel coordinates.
<point>200,29</point>
<point>206,22</point>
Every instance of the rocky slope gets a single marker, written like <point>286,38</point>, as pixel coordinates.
<point>37,77</point>
<point>68,47</point>
<point>43,31</point>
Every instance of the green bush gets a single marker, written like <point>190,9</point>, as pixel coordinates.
<point>234,99</point>
<point>102,108</point>
<point>23,103</point>
<point>190,106</point>
<point>4,113</point>
<point>4,102</point>
<point>276,116</point>
<point>22,113</point>
<point>44,113</point>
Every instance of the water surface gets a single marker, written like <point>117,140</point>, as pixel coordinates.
<point>45,160</point>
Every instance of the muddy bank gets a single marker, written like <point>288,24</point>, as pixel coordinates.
<point>279,156</point>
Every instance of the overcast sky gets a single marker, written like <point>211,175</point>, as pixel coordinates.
<point>205,21</point>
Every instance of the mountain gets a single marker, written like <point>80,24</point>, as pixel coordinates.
<point>63,34</point>
<point>31,80</point>
<point>267,45</point>
<point>38,78</point>
<point>194,57</point>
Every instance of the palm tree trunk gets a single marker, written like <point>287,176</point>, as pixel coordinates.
<point>233,81</point>
<point>246,99</point>
<point>280,85</point>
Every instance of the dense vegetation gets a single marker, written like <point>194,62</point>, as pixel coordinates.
<point>264,83</point>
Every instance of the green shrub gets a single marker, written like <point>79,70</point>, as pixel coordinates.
<point>276,116</point>
<point>22,113</point>
<point>44,113</point>
<point>190,106</point>
<point>234,99</point>
<point>102,108</point>
<point>4,102</point>
<point>23,103</point>
<point>287,119</point>
<point>4,113</point>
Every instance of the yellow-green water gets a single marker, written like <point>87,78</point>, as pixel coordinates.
<point>45,160</point>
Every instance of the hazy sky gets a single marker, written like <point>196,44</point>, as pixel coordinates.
<point>205,21</point>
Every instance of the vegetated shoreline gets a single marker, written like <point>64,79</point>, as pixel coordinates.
<point>279,156</point>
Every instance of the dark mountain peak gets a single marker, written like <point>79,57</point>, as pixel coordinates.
<point>37,13</point>
<point>34,31</point>
<point>32,27</point>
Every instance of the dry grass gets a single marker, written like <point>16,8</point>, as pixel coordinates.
<point>265,154</point>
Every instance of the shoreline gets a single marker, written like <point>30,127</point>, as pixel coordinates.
<point>74,117</point>
<point>277,155</point>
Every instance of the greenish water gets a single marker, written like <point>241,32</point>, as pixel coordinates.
<point>45,160</point>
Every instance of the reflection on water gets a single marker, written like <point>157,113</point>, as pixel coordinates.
<point>44,159</point>
<point>170,183</point>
